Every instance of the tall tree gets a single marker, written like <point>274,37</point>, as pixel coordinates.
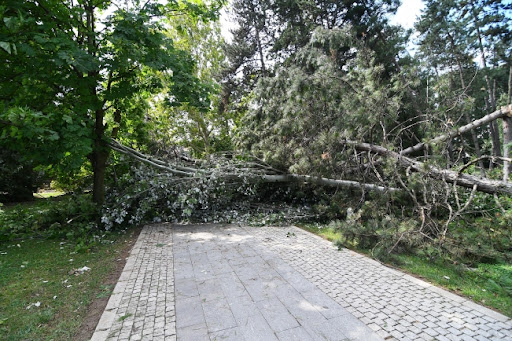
<point>452,33</point>
<point>331,90</point>
<point>74,67</point>
<point>444,45</point>
<point>198,127</point>
<point>271,32</point>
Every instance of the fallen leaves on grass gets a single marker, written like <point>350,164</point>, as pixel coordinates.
<point>37,304</point>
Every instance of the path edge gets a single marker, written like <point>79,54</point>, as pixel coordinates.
<point>107,318</point>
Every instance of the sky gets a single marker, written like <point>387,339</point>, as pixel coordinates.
<point>407,13</point>
<point>405,16</point>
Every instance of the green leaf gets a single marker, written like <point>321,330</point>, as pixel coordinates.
<point>6,46</point>
<point>53,136</point>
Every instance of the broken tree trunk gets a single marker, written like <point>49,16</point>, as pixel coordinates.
<point>256,171</point>
<point>503,112</point>
<point>463,180</point>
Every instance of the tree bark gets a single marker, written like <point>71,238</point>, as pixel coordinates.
<point>99,155</point>
<point>181,171</point>
<point>99,165</point>
<point>491,102</point>
<point>457,178</point>
<point>327,182</point>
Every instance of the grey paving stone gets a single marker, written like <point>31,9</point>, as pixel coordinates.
<point>324,304</point>
<point>189,312</point>
<point>258,288</point>
<point>294,334</point>
<point>232,334</point>
<point>301,309</point>
<point>186,288</point>
<point>276,314</point>
<point>185,271</point>
<point>220,267</point>
<point>231,285</point>
<point>196,332</point>
<point>256,328</point>
<point>209,282</point>
<point>218,315</point>
<point>210,289</point>
<point>354,329</point>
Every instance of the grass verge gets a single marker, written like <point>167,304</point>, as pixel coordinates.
<point>44,295</point>
<point>487,284</point>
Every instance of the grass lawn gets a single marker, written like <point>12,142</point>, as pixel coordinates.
<point>42,295</point>
<point>48,194</point>
<point>487,284</point>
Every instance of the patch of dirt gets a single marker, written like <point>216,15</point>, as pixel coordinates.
<point>96,308</point>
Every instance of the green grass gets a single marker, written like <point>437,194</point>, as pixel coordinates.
<point>40,270</point>
<point>48,194</point>
<point>487,284</point>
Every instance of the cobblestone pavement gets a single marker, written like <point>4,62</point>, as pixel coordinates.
<point>142,305</point>
<point>209,282</point>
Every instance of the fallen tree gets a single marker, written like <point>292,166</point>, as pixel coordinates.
<point>251,170</point>
<point>257,170</point>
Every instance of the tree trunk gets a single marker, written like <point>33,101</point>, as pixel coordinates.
<point>474,135</point>
<point>327,182</point>
<point>99,165</point>
<point>507,132</point>
<point>98,159</point>
<point>491,102</point>
<point>450,176</point>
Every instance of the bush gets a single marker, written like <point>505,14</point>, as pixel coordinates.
<point>18,180</point>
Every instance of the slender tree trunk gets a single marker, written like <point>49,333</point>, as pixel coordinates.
<point>491,102</point>
<point>504,111</point>
<point>99,155</point>
<point>464,180</point>
<point>260,52</point>
<point>98,159</point>
<point>507,131</point>
<point>467,118</point>
<point>258,42</point>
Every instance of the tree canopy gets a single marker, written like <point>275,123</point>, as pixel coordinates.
<point>77,72</point>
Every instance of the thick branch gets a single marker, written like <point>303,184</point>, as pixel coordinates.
<point>504,111</point>
<point>463,180</point>
<point>188,172</point>
<point>327,182</point>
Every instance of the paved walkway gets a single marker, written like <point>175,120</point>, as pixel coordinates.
<point>214,282</point>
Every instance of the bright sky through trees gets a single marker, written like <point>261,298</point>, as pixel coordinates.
<point>405,16</point>
<point>407,13</point>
